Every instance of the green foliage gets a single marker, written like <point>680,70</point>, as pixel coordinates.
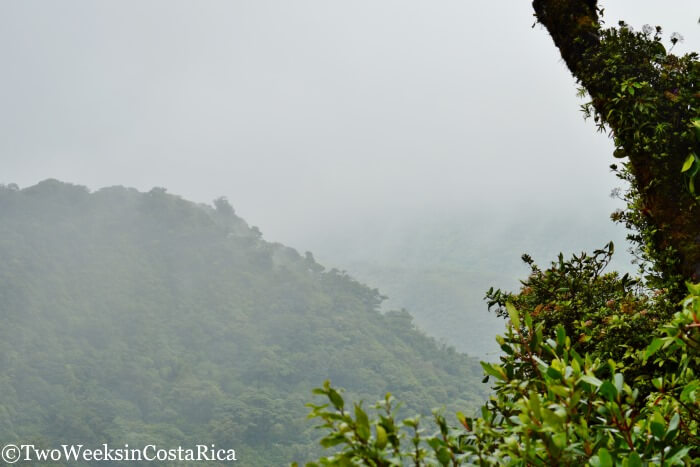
<point>143,318</point>
<point>648,99</point>
<point>607,315</point>
<point>552,406</point>
<point>652,101</point>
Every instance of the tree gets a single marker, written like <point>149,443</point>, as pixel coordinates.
<point>649,100</point>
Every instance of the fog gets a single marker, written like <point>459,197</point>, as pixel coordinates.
<point>313,118</point>
<point>398,156</point>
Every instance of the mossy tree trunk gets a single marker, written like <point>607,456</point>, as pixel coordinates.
<point>648,99</point>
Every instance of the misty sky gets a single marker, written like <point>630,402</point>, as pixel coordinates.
<point>309,115</point>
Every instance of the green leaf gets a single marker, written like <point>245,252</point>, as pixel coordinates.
<point>550,417</point>
<point>688,162</point>
<point>494,370</point>
<point>689,392</point>
<point>362,423</point>
<point>655,345</point>
<point>535,403</point>
<point>691,186</point>
<point>559,440</point>
<point>411,422</point>
<point>561,336</point>
<point>381,437</point>
<point>591,380</point>
<point>658,425</point>
<point>694,289</point>
<point>463,420</point>
<point>435,443</point>
<point>553,373</point>
<point>657,430</point>
<point>677,457</point>
<point>332,440</point>
<point>336,399</point>
<point>605,460</point>
<point>633,460</point>
<point>607,389</point>
<point>443,456</point>
<point>673,425</point>
<point>560,391</point>
<point>696,124</point>
<point>513,314</point>
<point>619,381</point>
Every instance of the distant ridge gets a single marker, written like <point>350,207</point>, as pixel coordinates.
<point>138,318</point>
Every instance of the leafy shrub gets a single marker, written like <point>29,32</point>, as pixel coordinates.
<point>552,406</point>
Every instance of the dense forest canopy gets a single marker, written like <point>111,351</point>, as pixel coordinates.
<point>138,318</point>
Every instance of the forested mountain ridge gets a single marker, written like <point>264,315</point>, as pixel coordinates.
<point>140,318</point>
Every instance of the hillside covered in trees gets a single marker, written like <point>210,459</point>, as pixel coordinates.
<point>140,318</point>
